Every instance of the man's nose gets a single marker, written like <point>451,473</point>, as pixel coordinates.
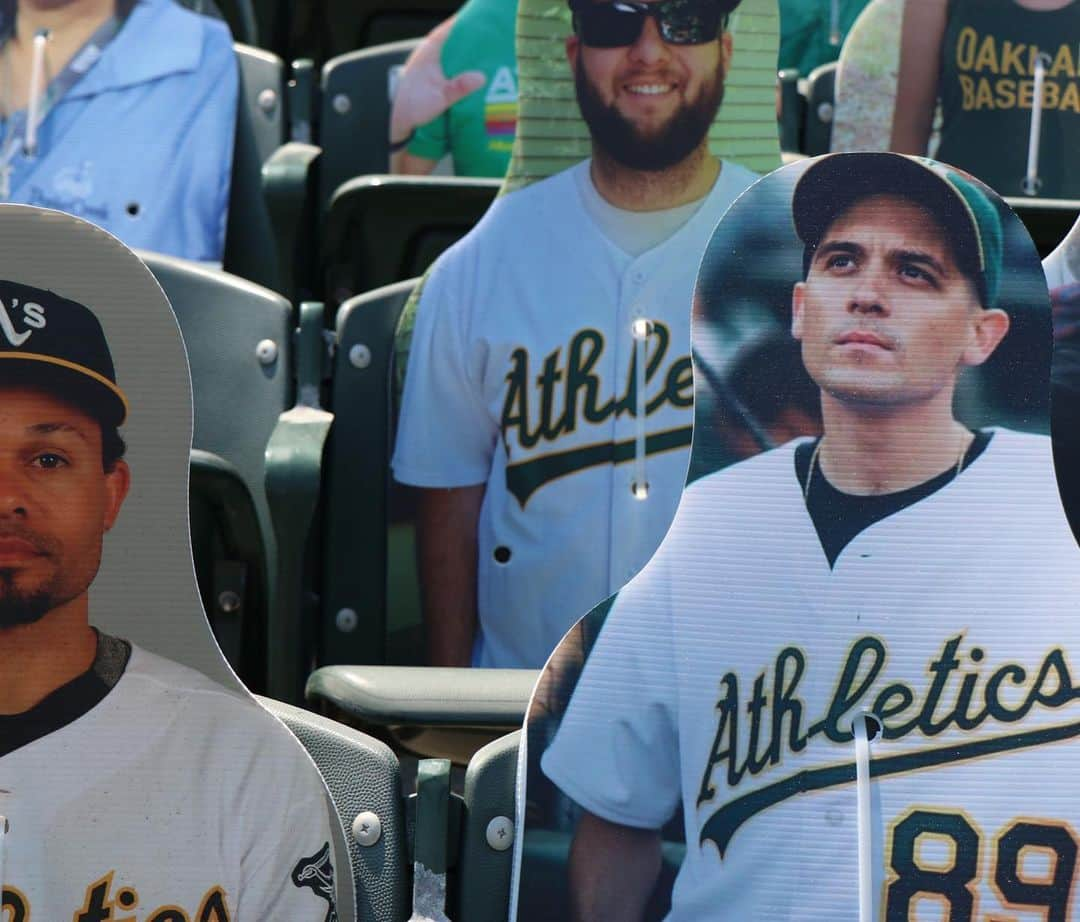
<point>650,46</point>
<point>869,296</point>
<point>14,503</point>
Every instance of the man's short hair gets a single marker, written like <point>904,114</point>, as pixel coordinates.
<point>958,202</point>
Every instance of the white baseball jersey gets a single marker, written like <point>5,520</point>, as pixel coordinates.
<point>523,376</point>
<point>730,671</point>
<point>1056,265</point>
<point>173,799</point>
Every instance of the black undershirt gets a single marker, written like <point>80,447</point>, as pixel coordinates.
<point>838,517</point>
<point>69,702</point>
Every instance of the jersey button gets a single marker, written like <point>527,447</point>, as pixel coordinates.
<point>501,554</point>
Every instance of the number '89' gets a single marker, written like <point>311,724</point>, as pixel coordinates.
<point>952,883</point>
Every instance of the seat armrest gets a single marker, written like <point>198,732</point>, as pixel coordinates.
<point>426,696</point>
<point>289,183</point>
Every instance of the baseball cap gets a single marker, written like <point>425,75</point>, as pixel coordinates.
<point>59,344</point>
<point>961,204</point>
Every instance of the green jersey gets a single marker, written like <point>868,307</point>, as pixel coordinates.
<point>987,91</point>
<point>478,131</point>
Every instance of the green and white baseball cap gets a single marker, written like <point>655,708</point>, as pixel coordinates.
<point>962,205</point>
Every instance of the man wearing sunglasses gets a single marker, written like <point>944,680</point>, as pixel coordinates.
<point>548,404</point>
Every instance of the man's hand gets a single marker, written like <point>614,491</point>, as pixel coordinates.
<point>424,91</point>
<point>613,870</point>
<point>446,525</point>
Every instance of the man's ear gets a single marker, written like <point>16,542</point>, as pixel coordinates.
<point>573,49</point>
<point>726,50</point>
<point>990,327</point>
<point>117,484</point>
<point>798,294</point>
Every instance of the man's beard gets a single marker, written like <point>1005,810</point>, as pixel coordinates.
<point>20,608</point>
<point>619,138</point>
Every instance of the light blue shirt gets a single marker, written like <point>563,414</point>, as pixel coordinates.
<point>142,145</point>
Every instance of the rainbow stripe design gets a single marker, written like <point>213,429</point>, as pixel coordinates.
<point>500,120</point>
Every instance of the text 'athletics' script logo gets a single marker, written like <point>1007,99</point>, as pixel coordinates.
<point>568,391</point>
<point>753,735</point>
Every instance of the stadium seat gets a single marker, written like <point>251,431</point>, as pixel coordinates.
<point>294,467</point>
<point>250,250</point>
<point>239,342</point>
<point>323,29</point>
<point>248,367</point>
<point>262,88</point>
<point>239,15</point>
<point>355,553</point>
<point>354,114</point>
<point>383,229</point>
<point>792,111</point>
<point>272,22</point>
<point>473,835</point>
<point>230,554</point>
<point>270,226</point>
<point>363,777</point>
<point>485,854</point>
<point>817,132</point>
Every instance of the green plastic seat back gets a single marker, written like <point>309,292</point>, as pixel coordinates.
<point>485,856</point>
<point>354,115</point>
<point>324,29</point>
<point>355,548</point>
<point>250,251</point>
<point>384,229</point>
<point>239,343</point>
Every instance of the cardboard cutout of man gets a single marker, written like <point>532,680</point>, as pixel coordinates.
<point>131,786</point>
<point>902,566</point>
<point>550,466</point>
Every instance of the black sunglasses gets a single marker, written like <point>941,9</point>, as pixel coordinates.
<point>617,24</point>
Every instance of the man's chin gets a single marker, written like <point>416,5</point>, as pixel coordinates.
<point>871,395</point>
<point>862,383</point>
<point>653,152</point>
<point>20,607</point>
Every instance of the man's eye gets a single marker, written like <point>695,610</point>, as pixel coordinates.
<point>839,261</point>
<point>917,273</point>
<point>49,461</point>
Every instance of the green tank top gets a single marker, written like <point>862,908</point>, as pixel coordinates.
<point>987,91</point>
<point>478,131</point>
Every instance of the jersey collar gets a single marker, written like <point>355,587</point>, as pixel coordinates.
<point>159,39</point>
